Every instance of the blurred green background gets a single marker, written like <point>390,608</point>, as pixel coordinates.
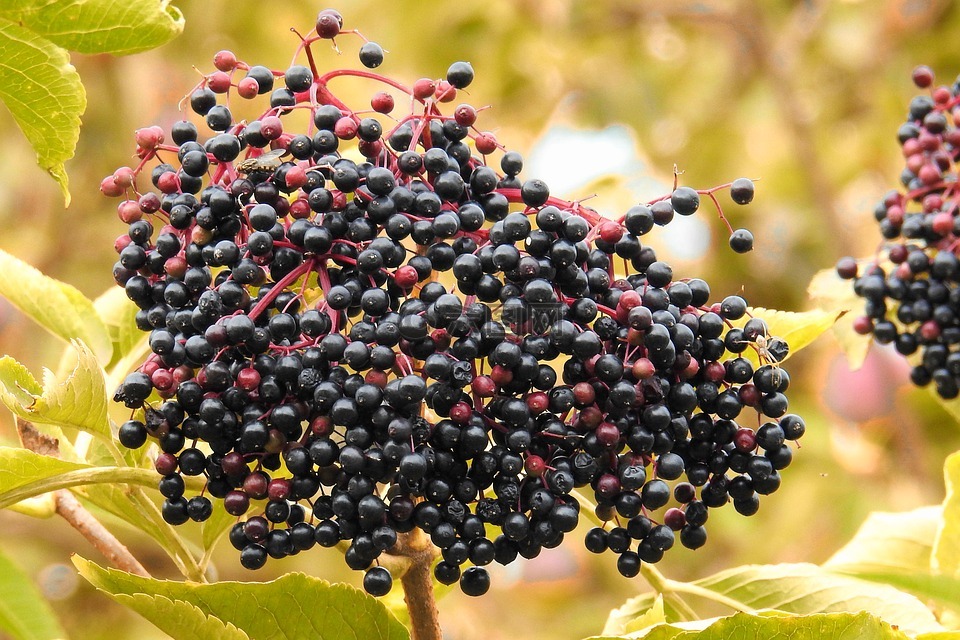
<point>805,96</point>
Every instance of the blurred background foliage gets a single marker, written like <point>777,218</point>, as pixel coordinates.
<point>805,96</point>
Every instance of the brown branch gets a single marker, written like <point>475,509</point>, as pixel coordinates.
<point>417,582</point>
<point>70,509</point>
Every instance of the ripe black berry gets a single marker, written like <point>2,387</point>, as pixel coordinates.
<point>475,581</point>
<point>741,191</point>
<point>741,241</point>
<point>371,55</point>
<point>377,581</point>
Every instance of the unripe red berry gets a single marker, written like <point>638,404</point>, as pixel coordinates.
<point>225,60</point>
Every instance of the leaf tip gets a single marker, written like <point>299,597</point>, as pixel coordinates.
<point>59,174</point>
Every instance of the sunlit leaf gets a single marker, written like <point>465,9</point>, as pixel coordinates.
<point>117,313</point>
<point>44,506</point>
<point>742,626</point>
<point>944,590</point>
<point>318,609</point>
<point>216,525</point>
<point>77,400</point>
<point>43,93</point>
<point>24,613</point>
<point>946,545</point>
<point>897,549</point>
<point>18,387</point>
<point>832,293</point>
<point>652,616</point>
<point>185,620</point>
<point>117,501</point>
<point>56,306</point>
<point>803,589</point>
<point>20,467</point>
<point>950,406</point>
<point>99,26</point>
<point>798,329</point>
<point>890,542</point>
<point>25,474</point>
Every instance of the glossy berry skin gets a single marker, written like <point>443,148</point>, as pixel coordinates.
<point>742,191</point>
<point>369,321</point>
<point>475,581</point>
<point>741,241</point>
<point>377,581</point>
<point>371,55</point>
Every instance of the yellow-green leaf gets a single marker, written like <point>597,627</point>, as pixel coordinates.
<point>18,387</point>
<point>652,616</point>
<point>21,467</point>
<point>99,26</point>
<point>317,609</point>
<point>946,545</point>
<point>56,306</point>
<point>117,313</point>
<point>802,589</point>
<point>832,293</point>
<point>950,406</point>
<point>188,620</point>
<point>890,542</point>
<point>742,626</point>
<point>24,613</point>
<point>77,400</point>
<point>44,506</point>
<point>216,525</point>
<point>944,590</point>
<point>896,549</point>
<point>117,501</point>
<point>798,329</point>
<point>43,93</point>
<point>25,474</point>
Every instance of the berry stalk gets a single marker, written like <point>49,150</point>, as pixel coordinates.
<point>417,583</point>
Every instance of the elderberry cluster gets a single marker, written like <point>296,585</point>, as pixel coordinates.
<point>911,290</point>
<point>361,329</point>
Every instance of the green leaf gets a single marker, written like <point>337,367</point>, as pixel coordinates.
<point>18,387</point>
<point>798,329</point>
<point>950,406</point>
<point>807,589</point>
<point>833,293</point>
<point>99,26</point>
<point>22,467</point>
<point>133,506</point>
<point>56,306</point>
<point>77,401</point>
<point>24,613</point>
<point>946,546</point>
<point>44,506</point>
<point>216,525</point>
<point>190,621</point>
<point>896,549</point>
<point>118,315</point>
<point>890,542</point>
<point>742,626</point>
<point>944,590</point>
<point>25,474</point>
<point>802,589</point>
<point>117,500</point>
<point>42,90</point>
<point>652,616</point>
<point>317,609</point>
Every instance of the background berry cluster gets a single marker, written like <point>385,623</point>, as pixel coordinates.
<point>910,289</point>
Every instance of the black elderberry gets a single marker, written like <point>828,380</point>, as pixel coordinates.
<point>298,334</point>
